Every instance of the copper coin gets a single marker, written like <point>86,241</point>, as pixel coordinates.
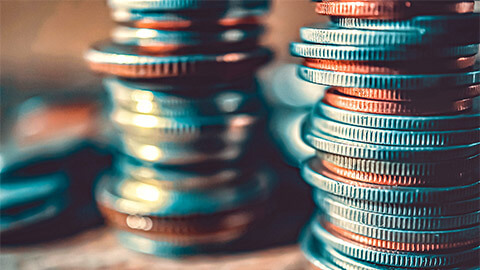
<point>402,95</point>
<point>379,179</point>
<point>394,68</point>
<point>188,24</point>
<point>425,107</point>
<point>184,225</point>
<point>390,245</point>
<point>178,49</point>
<point>131,62</point>
<point>391,9</point>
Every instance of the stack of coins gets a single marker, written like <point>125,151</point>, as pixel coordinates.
<point>188,115</point>
<point>42,169</point>
<point>396,135</point>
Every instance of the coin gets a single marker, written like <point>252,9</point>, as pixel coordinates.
<point>24,191</point>
<point>165,5</point>
<point>192,178</point>
<point>417,107</point>
<point>325,143</point>
<point>375,9</point>
<point>450,168</point>
<point>130,196</point>
<point>191,226</point>
<point>378,53</point>
<point>401,67</point>
<point>333,35</point>
<point>238,13</point>
<point>398,82</point>
<point>466,120</point>
<point>399,246</point>
<point>400,239</point>
<point>419,209</point>
<point>465,92</point>
<point>462,177</point>
<point>178,100</point>
<point>128,61</point>
<point>433,24</point>
<point>318,177</point>
<point>31,214</point>
<point>395,137</point>
<point>168,41</point>
<point>335,208</point>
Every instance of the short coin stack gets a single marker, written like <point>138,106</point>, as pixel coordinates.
<point>46,168</point>
<point>187,110</point>
<point>396,173</point>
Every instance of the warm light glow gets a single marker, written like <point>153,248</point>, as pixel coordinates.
<point>138,95</point>
<point>145,33</point>
<point>147,192</point>
<point>149,152</point>
<point>147,121</point>
<point>144,106</point>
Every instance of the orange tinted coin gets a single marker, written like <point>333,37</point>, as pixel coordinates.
<point>390,245</point>
<point>406,95</point>
<point>391,9</point>
<point>424,107</point>
<point>370,67</point>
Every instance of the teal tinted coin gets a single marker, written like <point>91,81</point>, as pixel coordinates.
<point>150,99</point>
<point>415,223</point>
<point>236,9</point>
<point>394,137</point>
<point>131,196</point>
<point>382,81</point>
<point>345,262</point>
<point>185,151</point>
<point>411,210</point>
<point>326,143</point>
<point>332,35</point>
<point>24,191</point>
<point>163,38</point>
<point>32,214</point>
<point>372,53</point>
<point>448,168</point>
<point>467,120</point>
<point>313,173</point>
<point>165,5</point>
<point>432,24</point>
<point>451,237</point>
<point>199,177</point>
<point>393,258</point>
<point>163,128</point>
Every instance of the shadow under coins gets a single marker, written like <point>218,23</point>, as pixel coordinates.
<point>292,207</point>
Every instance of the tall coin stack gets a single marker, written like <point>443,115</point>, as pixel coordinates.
<point>188,114</point>
<point>396,135</point>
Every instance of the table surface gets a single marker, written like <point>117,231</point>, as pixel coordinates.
<point>98,249</point>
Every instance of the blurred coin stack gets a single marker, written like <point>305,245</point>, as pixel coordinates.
<point>396,170</point>
<point>188,116</point>
<point>43,179</point>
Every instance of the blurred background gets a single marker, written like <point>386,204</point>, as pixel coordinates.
<point>50,98</point>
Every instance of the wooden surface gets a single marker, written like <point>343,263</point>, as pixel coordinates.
<point>98,249</point>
